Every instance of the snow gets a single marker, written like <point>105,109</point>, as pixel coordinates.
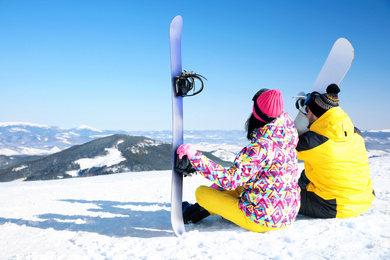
<point>16,169</point>
<point>139,147</point>
<point>29,151</point>
<point>6,124</point>
<point>379,131</point>
<point>63,139</point>
<point>127,216</point>
<point>378,153</point>
<point>55,149</point>
<point>18,129</point>
<point>8,152</point>
<point>70,135</point>
<point>85,127</point>
<point>223,151</point>
<point>34,151</point>
<point>73,173</point>
<point>112,157</point>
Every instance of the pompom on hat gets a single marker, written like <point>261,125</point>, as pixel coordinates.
<point>320,103</point>
<point>268,105</point>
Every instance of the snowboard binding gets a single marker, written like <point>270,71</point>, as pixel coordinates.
<point>184,166</point>
<point>301,100</point>
<point>185,82</point>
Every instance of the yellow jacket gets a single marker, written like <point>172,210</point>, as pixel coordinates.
<point>336,163</point>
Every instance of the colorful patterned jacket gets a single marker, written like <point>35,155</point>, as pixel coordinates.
<point>267,169</point>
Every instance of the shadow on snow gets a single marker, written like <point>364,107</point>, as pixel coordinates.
<point>123,219</point>
<point>132,223</point>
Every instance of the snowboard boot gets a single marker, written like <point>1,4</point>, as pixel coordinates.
<point>193,213</point>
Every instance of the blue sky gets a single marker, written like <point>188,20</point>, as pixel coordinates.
<point>106,63</point>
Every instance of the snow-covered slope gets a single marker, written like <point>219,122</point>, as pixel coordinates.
<point>127,216</point>
<point>107,155</point>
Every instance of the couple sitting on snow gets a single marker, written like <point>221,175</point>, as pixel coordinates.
<point>263,190</point>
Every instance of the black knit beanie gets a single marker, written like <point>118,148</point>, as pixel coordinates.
<point>321,103</point>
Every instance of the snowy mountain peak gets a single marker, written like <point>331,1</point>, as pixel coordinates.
<point>379,131</point>
<point>85,127</point>
<point>21,124</point>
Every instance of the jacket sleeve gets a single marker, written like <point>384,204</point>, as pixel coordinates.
<point>247,163</point>
<point>308,141</point>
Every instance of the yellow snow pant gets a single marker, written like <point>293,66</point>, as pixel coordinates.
<point>225,204</point>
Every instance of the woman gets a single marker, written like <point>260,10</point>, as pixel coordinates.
<point>260,191</point>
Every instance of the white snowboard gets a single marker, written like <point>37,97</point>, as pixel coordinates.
<point>334,70</point>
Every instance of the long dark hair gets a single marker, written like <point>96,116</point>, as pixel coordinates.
<point>251,124</point>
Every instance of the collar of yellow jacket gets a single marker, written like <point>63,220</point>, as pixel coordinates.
<point>334,124</point>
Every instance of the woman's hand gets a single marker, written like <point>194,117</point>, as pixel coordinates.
<point>186,149</point>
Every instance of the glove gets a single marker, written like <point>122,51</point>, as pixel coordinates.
<point>186,149</point>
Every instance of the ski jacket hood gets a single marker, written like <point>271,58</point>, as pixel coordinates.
<point>335,125</point>
<point>266,169</point>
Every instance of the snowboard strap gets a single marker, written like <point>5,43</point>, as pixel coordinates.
<point>302,100</point>
<point>185,82</point>
<point>184,166</point>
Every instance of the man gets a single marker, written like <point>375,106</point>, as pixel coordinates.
<point>336,180</point>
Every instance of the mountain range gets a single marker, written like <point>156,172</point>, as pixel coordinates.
<point>37,152</point>
<point>34,139</point>
<point>40,152</point>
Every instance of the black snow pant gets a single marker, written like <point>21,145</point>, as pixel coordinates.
<point>313,205</point>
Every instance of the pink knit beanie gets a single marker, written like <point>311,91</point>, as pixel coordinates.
<point>268,105</point>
